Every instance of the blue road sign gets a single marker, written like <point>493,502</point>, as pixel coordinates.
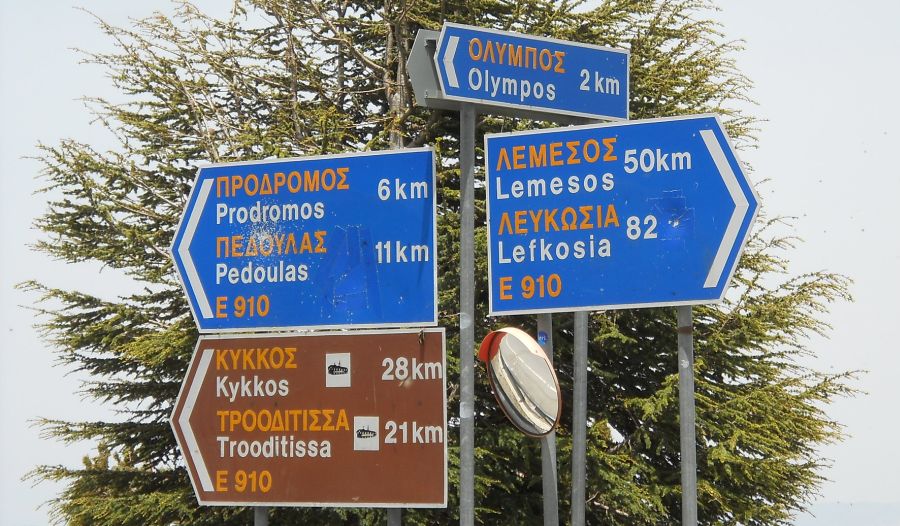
<point>638,214</point>
<point>513,70</point>
<point>329,241</point>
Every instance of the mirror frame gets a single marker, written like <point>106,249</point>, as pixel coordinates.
<point>490,346</point>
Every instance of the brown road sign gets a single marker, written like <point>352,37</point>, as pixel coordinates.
<point>354,419</point>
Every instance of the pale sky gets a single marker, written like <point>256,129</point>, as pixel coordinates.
<point>825,77</point>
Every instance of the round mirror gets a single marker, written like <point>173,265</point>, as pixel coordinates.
<point>523,380</point>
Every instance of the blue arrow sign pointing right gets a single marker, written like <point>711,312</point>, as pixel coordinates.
<point>637,214</point>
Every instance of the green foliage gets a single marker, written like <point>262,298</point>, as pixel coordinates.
<point>291,77</point>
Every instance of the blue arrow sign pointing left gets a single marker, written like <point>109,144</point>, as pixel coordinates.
<point>330,241</point>
<point>524,72</point>
<point>637,214</point>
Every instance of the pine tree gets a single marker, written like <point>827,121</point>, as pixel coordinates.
<point>286,78</point>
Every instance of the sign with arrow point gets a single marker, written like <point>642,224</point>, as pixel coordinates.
<point>328,241</point>
<point>524,72</point>
<point>350,419</point>
<point>638,214</point>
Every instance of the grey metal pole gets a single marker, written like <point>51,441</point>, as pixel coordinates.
<point>688,416</point>
<point>548,443</point>
<point>579,419</point>
<point>261,516</point>
<point>467,316</point>
<point>395,515</point>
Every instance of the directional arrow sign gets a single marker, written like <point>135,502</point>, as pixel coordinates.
<point>326,419</point>
<point>551,76</point>
<point>638,214</point>
<point>330,241</point>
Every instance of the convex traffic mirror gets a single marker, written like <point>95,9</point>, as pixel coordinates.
<point>523,380</point>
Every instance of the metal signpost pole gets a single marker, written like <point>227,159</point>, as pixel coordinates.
<point>579,414</point>
<point>261,516</point>
<point>579,418</point>
<point>467,315</point>
<point>688,416</point>
<point>395,515</point>
<point>548,443</point>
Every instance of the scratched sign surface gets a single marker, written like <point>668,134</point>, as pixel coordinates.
<point>329,241</point>
<point>637,214</point>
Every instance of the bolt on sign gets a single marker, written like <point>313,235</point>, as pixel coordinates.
<point>324,419</point>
